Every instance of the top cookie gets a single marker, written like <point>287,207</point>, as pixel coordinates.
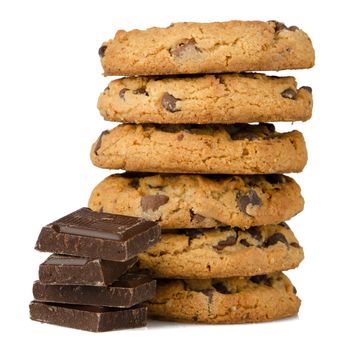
<point>189,48</point>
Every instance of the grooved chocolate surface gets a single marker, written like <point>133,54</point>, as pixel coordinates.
<point>98,235</point>
<point>88,318</point>
<point>64,269</point>
<point>129,290</point>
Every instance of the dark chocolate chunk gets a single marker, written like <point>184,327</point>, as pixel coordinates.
<point>255,233</point>
<point>275,179</point>
<point>221,288</point>
<point>186,46</point>
<point>285,225</point>
<point>196,217</point>
<point>295,290</point>
<point>127,291</point>
<point>289,93</point>
<point>88,318</point>
<point>293,28</point>
<point>99,141</point>
<point>295,245</point>
<point>279,26</point>
<point>98,235</point>
<point>169,102</point>
<point>245,242</point>
<point>135,183</point>
<point>251,198</point>
<point>153,202</point>
<point>275,238</point>
<point>101,50</point>
<point>308,88</point>
<point>180,137</point>
<point>229,241</point>
<point>122,93</point>
<point>141,91</point>
<point>208,292</point>
<point>258,279</point>
<point>64,269</point>
<point>262,279</point>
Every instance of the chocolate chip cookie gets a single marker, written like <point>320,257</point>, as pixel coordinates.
<point>189,148</point>
<point>188,48</point>
<point>233,300</point>
<point>197,201</point>
<point>224,98</point>
<point>222,252</point>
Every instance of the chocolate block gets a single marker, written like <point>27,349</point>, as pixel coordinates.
<point>98,235</point>
<point>88,318</point>
<point>127,291</point>
<point>65,269</point>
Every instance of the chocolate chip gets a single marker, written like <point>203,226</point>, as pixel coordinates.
<point>261,279</point>
<point>187,45</point>
<point>208,292</point>
<point>169,102</point>
<point>293,28</point>
<point>245,242</point>
<point>194,318</point>
<point>101,50</point>
<point>285,225</point>
<point>279,26</point>
<point>258,279</point>
<point>274,179</point>
<point>275,238</point>
<point>250,198</point>
<point>99,141</point>
<point>294,290</point>
<point>180,137</point>
<point>229,241</point>
<point>295,245</point>
<point>308,88</point>
<point>135,183</point>
<point>221,288</point>
<point>122,93</point>
<point>56,228</point>
<point>255,233</point>
<point>141,91</point>
<point>196,217</point>
<point>289,93</point>
<point>153,202</point>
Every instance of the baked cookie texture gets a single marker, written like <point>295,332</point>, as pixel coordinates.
<point>222,252</point>
<point>215,149</point>
<point>222,98</point>
<point>197,201</point>
<point>189,48</point>
<point>232,300</point>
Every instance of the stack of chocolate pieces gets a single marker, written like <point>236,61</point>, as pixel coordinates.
<point>86,284</point>
<point>194,164</point>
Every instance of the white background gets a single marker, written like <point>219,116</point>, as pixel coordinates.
<point>50,78</point>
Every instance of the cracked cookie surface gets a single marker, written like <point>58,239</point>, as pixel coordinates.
<point>222,252</point>
<point>189,48</point>
<point>198,201</point>
<point>190,148</point>
<point>224,98</point>
<point>232,300</point>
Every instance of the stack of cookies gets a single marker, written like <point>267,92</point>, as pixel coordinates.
<point>196,166</point>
